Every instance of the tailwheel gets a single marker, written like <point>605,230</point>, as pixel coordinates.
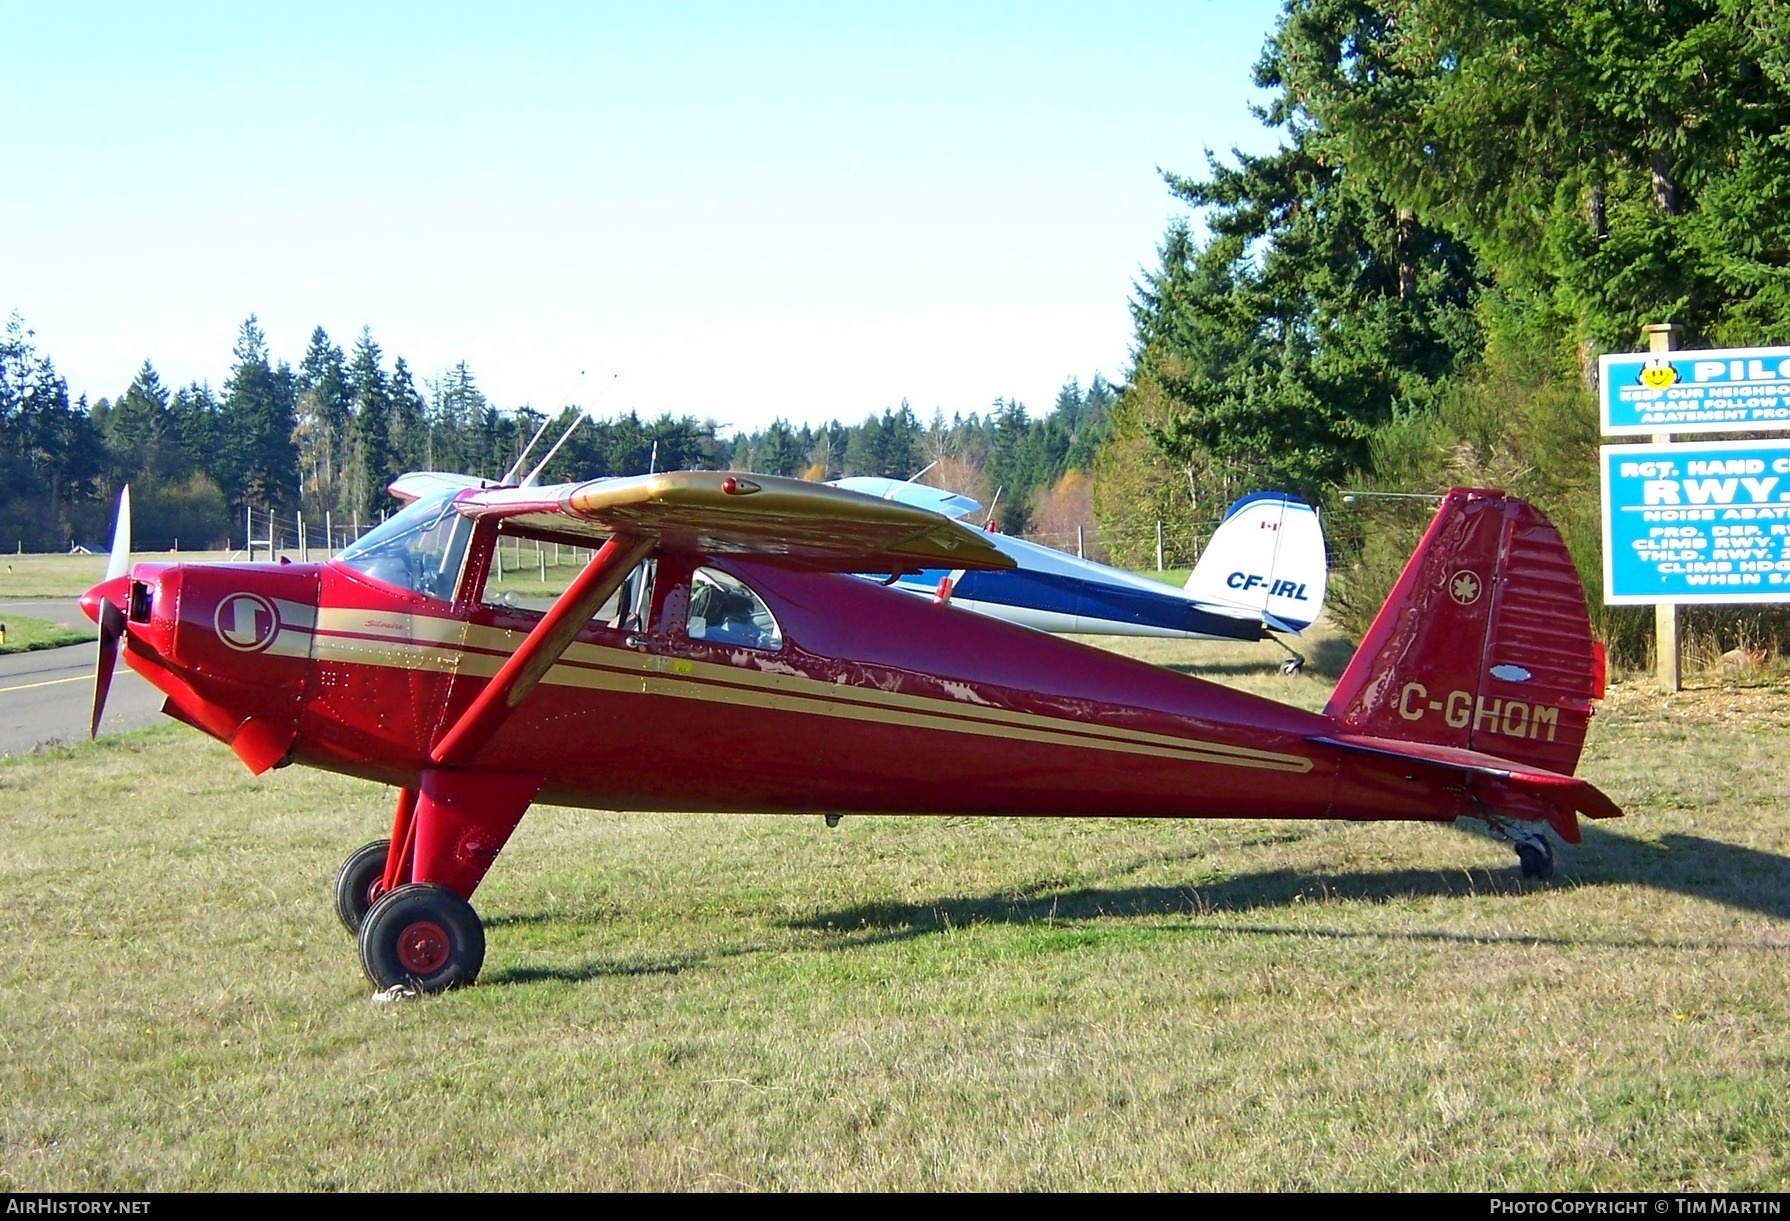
<point>1535,852</point>
<point>1536,857</point>
<point>424,937</point>
<point>1295,661</point>
<point>360,882</point>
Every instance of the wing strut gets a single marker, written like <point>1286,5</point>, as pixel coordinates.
<point>544,646</point>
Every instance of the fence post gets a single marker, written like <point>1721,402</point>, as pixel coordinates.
<point>1158,544</point>
<point>1663,337</point>
<point>1081,551</point>
<point>304,552</point>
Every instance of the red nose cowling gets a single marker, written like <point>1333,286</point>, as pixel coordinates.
<point>228,644</point>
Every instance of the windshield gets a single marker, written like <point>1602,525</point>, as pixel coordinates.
<point>419,548</point>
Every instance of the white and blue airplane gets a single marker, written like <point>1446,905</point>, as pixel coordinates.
<point>1263,573</point>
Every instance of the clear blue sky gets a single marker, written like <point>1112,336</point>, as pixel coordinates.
<point>732,211</point>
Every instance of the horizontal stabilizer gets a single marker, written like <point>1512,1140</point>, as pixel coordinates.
<point>1557,791</point>
<point>719,512</point>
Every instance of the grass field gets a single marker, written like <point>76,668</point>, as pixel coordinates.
<point>23,634</point>
<point>690,1002</point>
<point>49,576</point>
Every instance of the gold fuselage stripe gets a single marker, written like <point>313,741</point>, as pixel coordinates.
<point>451,646</point>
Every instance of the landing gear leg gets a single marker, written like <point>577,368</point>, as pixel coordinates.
<point>423,934</point>
<point>1295,662</point>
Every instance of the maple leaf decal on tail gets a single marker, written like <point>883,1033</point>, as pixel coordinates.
<point>1463,587</point>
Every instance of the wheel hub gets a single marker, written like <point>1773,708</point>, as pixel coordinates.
<point>423,947</point>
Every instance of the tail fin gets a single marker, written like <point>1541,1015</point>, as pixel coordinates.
<point>1484,643</point>
<point>1266,559</point>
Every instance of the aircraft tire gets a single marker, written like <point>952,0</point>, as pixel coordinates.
<point>424,937</point>
<point>356,880</point>
<point>1537,860</point>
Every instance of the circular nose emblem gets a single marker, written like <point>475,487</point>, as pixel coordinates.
<point>246,622</point>
<point>1464,587</point>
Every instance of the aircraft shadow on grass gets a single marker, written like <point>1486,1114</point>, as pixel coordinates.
<point>1733,876</point>
<point>595,968</point>
<point>590,968</point>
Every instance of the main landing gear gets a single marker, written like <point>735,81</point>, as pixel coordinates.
<point>360,882</point>
<point>419,936</point>
<point>424,937</point>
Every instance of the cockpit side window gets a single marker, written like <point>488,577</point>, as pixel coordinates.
<point>530,576</point>
<point>724,611</point>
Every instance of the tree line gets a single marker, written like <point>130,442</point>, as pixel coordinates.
<point>326,437</point>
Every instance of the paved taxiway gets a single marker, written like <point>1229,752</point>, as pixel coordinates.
<point>47,695</point>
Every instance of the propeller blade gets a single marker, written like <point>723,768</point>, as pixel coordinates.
<point>111,629</point>
<point>120,563</point>
<point>111,619</point>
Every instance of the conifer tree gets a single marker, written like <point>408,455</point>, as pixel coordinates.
<point>411,449</point>
<point>323,409</point>
<point>370,466</point>
<point>259,416</point>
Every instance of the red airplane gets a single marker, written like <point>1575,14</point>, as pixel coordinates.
<point>716,654</point>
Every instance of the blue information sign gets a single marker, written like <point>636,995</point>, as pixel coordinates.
<point>1706,522</point>
<point>1715,390</point>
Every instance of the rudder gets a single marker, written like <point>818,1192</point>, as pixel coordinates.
<point>1266,560</point>
<point>1484,643</point>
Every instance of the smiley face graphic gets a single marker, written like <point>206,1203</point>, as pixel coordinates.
<point>1657,373</point>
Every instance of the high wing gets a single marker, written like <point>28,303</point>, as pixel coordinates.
<point>718,512</point>
<point>1054,591</point>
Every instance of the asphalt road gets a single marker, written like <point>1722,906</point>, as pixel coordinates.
<point>47,696</point>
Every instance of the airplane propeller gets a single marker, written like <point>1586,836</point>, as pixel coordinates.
<point>111,619</point>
